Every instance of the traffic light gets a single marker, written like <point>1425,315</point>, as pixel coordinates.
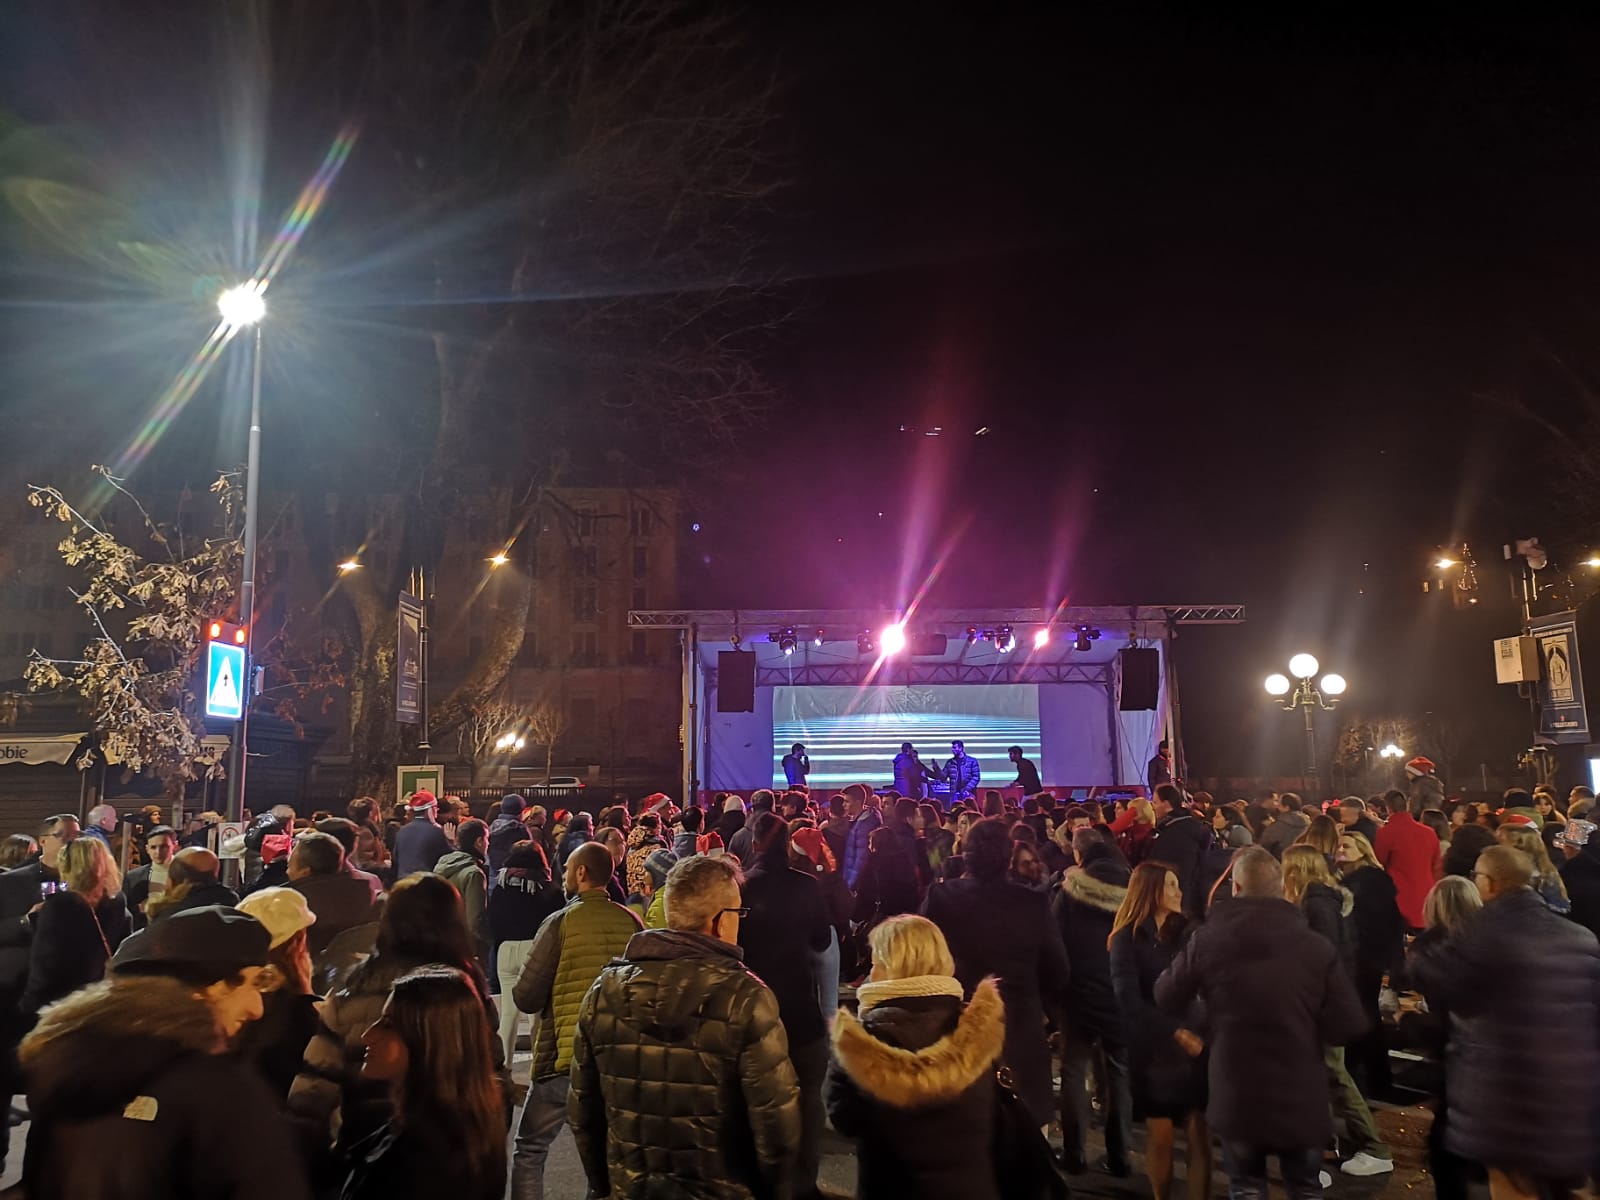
<point>224,669</point>
<point>225,631</point>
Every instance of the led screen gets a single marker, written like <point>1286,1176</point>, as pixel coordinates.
<point>852,734</point>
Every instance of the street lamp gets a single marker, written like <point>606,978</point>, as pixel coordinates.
<point>1308,696</point>
<point>510,741</point>
<point>349,565</point>
<point>243,307</point>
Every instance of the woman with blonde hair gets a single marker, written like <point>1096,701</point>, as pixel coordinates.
<point>1546,879</point>
<point>1135,830</point>
<point>1166,1066</point>
<point>913,1076</point>
<point>1323,833</point>
<point>79,927</point>
<point>1380,938</point>
<point>1310,885</point>
<point>964,824</point>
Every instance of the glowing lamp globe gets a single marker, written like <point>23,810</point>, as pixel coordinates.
<point>893,639</point>
<point>1334,685</point>
<point>1277,685</point>
<point>1303,666</point>
<point>242,305</point>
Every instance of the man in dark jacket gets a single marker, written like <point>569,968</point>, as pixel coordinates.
<point>1084,907</point>
<point>681,1077</point>
<point>1181,842</point>
<point>1352,815</point>
<point>1521,986</point>
<point>865,809</point>
<point>1275,994</point>
<point>1288,823</point>
<point>420,843</point>
<point>200,871</point>
<point>739,842</point>
<point>1027,774</point>
<point>689,822</point>
<point>1579,841</point>
<point>787,926</point>
<point>505,831</point>
<point>340,901</point>
<point>143,882</point>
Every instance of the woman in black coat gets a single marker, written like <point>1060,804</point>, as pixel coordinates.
<point>912,1080</point>
<point>996,928</point>
<point>1166,1059</point>
<point>78,929</point>
<point>888,884</point>
<point>1380,936</point>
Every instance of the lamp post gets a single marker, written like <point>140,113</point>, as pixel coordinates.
<point>243,307</point>
<point>1308,696</point>
<point>1392,754</point>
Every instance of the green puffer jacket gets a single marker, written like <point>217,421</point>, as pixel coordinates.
<point>568,952</point>
<point>681,1080</point>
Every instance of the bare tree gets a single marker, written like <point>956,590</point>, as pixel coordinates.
<point>481,734</point>
<point>545,725</point>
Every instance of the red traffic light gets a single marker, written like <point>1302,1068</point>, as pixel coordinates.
<point>238,635</point>
<point>216,630</point>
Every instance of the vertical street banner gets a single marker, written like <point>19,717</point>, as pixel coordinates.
<point>1562,715</point>
<point>408,662</point>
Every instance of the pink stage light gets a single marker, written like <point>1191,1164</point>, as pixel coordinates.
<point>1041,639</point>
<point>892,640</point>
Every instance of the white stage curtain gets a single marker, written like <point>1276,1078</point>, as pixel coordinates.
<point>740,754</point>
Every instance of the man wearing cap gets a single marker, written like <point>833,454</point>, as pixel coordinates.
<point>1580,842</point>
<point>505,831</point>
<point>1410,852</point>
<point>129,1091</point>
<point>420,843</point>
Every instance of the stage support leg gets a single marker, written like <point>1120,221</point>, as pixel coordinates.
<point>1180,768</point>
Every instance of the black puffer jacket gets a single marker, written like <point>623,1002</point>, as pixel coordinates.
<point>1182,841</point>
<point>128,1100</point>
<point>1522,1072</point>
<point>681,1080</point>
<point>786,926</point>
<point>1380,930</point>
<point>1085,906</point>
<point>912,1082</point>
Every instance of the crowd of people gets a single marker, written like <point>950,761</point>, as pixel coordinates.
<point>339,1022</point>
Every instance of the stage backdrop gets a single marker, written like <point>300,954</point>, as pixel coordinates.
<point>852,734</point>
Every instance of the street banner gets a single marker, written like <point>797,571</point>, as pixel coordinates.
<point>408,662</point>
<point>1562,716</point>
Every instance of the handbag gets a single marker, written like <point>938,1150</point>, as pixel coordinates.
<point>1024,1166</point>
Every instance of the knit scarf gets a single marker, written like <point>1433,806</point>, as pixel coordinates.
<point>880,991</point>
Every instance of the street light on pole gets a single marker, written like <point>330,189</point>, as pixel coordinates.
<point>243,307</point>
<point>1308,696</point>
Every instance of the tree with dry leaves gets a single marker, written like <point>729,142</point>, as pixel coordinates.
<point>544,726</point>
<point>480,737</point>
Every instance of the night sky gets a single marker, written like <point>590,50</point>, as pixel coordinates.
<point>1240,300</point>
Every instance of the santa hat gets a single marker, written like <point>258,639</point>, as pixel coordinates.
<point>709,844</point>
<point>421,801</point>
<point>1419,767</point>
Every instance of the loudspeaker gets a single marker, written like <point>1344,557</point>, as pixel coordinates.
<point>1140,668</point>
<point>736,681</point>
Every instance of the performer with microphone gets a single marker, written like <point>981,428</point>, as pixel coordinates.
<point>963,773</point>
<point>910,774</point>
<point>796,765</point>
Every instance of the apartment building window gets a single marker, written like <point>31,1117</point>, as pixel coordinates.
<point>585,562</point>
<point>639,599</point>
<point>641,561</point>
<point>641,522</point>
<point>586,649</point>
<point>585,522</point>
<point>585,603</point>
<point>641,648</point>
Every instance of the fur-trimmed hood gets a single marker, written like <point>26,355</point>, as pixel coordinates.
<point>94,1051</point>
<point>935,1074</point>
<point>1084,888</point>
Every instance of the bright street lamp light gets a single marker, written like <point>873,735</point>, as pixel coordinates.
<point>1333,684</point>
<point>1277,685</point>
<point>500,559</point>
<point>242,305</point>
<point>349,565</point>
<point>1391,751</point>
<point>1444,564</point>
<point>1303,666</point>
<point>1308,697</point>
<point>510,741</point>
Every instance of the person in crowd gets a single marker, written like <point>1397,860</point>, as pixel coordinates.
<point>1224,819</point>
<point>888,885</point>
<point>348,834</point>
<point>1412,854</point>
<point>1159,770</point>
<point>1580,802</point>
<point>836,826</point>
<point>420,842</point>
<point>1135,830</point>
<point>17,850</point>
<point>1353,816</point>
<point>445,1135</point>
<point>150,880</point>
<point>681,1077</point>
<point>732,818</point>
<point>1328,908</point>
<point>1548,807</point>
<point>912,1077</point>
<point>1084,907</point>
<point>1322,835</point>
<point>688,833</point>
<point>1027,774</point>
<point>650,904</point>
<point>101,824</point>
<point>787,927</point>
<point>1165,1050</point>
<point>1466,843</point>
<point>1547,881</point>
<point>965,820</point>
<point>1275,995</point>
<point>422,923</point>
<point>644,839</point>
<point>340,901</point>
<point>934,841</point>
<point>371,854</point>
<point>1286,826</point>
<point>1435,820</point>
<point>580,829</point>
<point>1181,841</point>
<point>1380,933</point>
<point>128,1086</point>
<point>78,928</point>
<point>193,881</point>
<point>276,1043</point>
<point>467,868</point>
<point>900,818</point>
<point>1580,871</point>
<point>996,928</point>
<point>1522,987</point>
<point>536,819</point>
<point>615,843</point>
<point>865,810</point>
<point>505,831</point>
<point>739,845</point>
<point>810,852</point>
<point>1026,868</point>
<point>567,953</point>
<point>523,896</point>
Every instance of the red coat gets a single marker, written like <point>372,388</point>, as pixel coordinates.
<point>1409,851</point>
<point>1134,837</point>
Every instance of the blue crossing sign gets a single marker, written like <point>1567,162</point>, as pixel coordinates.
<point>225,681</point>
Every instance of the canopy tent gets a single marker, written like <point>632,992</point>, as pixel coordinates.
<point>853,706</point>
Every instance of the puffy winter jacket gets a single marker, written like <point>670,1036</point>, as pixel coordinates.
<point>466,871</point>
<point>1084,907</point>
<point>1522,987</point>
<point>568,952</point>
<point>681,1080</point>
<point>1182,841</point>
<point>504,833</point>
<point>855,845</point>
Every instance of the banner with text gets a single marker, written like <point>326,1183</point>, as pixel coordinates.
<point>408,662</point>
<point>1562,715</point>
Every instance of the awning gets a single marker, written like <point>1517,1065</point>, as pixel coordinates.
<point>30,749</point>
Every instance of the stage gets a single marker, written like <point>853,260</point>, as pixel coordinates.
<point>1087,713</point>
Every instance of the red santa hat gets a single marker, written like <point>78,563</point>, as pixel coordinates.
<point>1419,767</point>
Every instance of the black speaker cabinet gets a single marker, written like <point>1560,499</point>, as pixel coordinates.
<point>736,681</point>
<point>1141,678</point>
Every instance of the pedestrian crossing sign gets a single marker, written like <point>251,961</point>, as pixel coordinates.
<point>224,681</point>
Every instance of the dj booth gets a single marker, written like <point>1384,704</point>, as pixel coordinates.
<point>1011,795</point>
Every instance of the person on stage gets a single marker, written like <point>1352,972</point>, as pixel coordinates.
<point>963,773</point>
<point>796,765</point>
<point>1027,774</point>
<point>1159,770</point>
<point>910,775</point>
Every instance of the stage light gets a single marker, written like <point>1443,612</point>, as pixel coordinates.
<point>893,639</point>
<point>1087,634</point>
<point>1303,666</point>
<point>864,642</point>
<point>1277,685</point>
<point>786,641</point>
<point>1004,641</point>
<point>1041,639</point>
<point>817,641</point>
<point>972,635</point>
<point>1334,685</point>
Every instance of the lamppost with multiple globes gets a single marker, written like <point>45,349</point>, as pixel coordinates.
<point>1308,695</point>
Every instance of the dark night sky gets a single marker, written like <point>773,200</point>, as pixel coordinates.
<point>1231,292</point>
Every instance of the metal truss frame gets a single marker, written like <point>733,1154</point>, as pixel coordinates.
<point>715,624</point>
<point>915,674</point>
